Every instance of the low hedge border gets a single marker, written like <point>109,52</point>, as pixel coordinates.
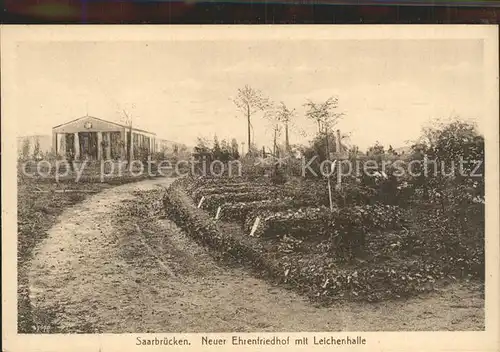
<point>213,201</point>
<point>192,184</point>
<point>231,189</point>
<point>239,211</point>
<point>204,230</point>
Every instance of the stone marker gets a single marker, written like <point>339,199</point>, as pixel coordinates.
<point>333,166</point>
<point>218,213</point>
<point>255,225</point>
<point>201,201</point>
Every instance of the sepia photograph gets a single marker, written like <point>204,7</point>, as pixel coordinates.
<point>263,183</point>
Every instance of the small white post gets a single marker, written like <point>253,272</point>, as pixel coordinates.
<point>329,185</point>
<point>255,225</point>
<point>339,167</point>
<point>330,194</point>
<point>201,201</point>
<point>218,213</point>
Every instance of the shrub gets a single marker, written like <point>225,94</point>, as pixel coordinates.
<point>459,249</point>
<point>353,194</point>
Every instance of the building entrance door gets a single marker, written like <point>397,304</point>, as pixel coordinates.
<point>70,145</point>
<point>88,145</point>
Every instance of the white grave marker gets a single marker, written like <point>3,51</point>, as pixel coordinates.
<point>255,225</point>
<point>218,213</point>
<point>201,201</point>
<point>333,167</point>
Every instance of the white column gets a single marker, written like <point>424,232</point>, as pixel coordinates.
<point>61,139</point>
<point>76,145</point>
<point>123,136</point>
<point>132,146</point>
<point>108,145</point>
<point>54,142</point>
<point>99,145</point>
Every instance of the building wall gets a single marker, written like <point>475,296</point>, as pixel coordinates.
<point>100,139</point>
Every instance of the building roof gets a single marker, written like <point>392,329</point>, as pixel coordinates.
<point>106,121</point>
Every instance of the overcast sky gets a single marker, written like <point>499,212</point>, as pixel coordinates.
<point>181,90</point>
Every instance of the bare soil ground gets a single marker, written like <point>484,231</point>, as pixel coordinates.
<point>113,264</point>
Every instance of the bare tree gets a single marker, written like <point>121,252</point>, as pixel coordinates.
<point>249,101</point>
<point>281,118</point>
<point>36,149</point>
<point>286,116</point>
<point>277,129</point>
<point>324,114</point>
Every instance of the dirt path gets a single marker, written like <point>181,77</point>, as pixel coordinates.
<point>113,265</point>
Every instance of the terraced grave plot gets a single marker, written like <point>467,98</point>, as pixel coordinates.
<point>238,211</point>
<point>321,221</point>
<point>212,202</point>
<point>355,252</point>
<point>223,189</point>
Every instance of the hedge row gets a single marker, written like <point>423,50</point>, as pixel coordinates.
<point>231,188</point>
<point>198,182</point>
<point>317,191</point>
<point>239,211</point>
<point>323,222</point>
<point>204,229</point>
<point>213,201</point>
<point>325,281</point>
<point>308,192</point>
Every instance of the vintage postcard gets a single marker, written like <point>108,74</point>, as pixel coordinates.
<point>220,188</point>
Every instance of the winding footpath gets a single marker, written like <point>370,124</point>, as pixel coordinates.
<point>106,268</point>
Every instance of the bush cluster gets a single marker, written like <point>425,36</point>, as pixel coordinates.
<point>459,248</point>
